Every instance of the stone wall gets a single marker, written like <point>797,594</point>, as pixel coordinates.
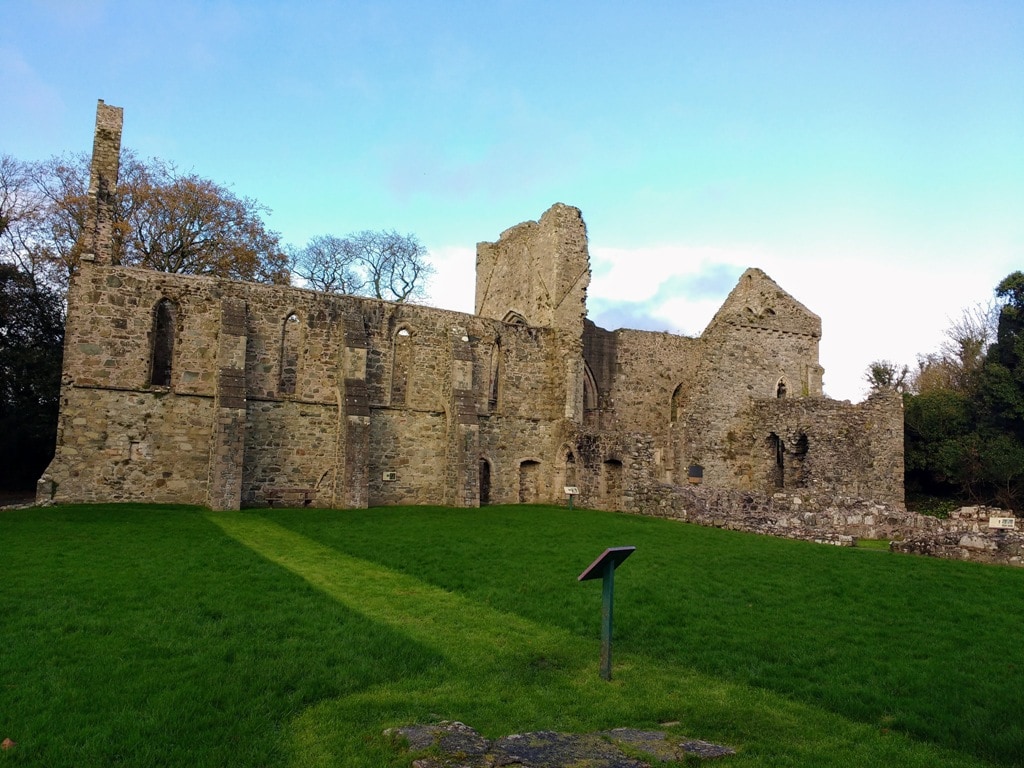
<point>966,535</point>
<point>537,273</point>
<point>421,375</point>
<point>827,447</point>
<point>210,391</point>
<point>836,520</point>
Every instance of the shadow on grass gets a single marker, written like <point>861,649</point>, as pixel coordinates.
<point>148,638</point>
<point>911,645</point>
<point>504,673</point>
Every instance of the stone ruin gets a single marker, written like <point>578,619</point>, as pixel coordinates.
<point>202,390</point>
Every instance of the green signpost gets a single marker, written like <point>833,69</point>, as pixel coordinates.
<point>604,568</point>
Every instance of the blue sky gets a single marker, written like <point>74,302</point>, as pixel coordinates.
<point>869,156</point>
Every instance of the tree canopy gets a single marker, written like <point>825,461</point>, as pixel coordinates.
<point>964,425</point>
<point>31,342</point>
<point>164,219</point>
<point>885,375</point>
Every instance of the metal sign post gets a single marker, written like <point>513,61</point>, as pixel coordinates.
<point>570,491</point>
<point>604,568</point>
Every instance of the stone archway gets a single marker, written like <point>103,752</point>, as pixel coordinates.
<point>529,482</point>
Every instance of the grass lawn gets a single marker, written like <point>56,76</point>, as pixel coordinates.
<point>173,636</point>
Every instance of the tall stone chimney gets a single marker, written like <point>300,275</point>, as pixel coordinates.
<point>96,241</point>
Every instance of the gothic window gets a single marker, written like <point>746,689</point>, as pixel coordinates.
<point>164,318</point>
<point>570,468</point>
<point>678,403</point>
<point>780,389</point>
<point>288,374</point>
<point>495,380</point>
<point>589,389</point>
<point>777,474</point>
<point>401,366</point>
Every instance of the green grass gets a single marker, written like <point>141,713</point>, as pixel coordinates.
<point>875,544</point>
<point>145,636</point>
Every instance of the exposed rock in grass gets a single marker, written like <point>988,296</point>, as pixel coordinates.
<point>456,745</point>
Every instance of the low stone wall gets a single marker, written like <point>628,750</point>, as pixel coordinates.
<point>1002,547</point>
<point>966,536</point>
<point>839,521</point>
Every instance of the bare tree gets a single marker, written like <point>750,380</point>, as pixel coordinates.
<point>384,265</point>
<point>329,263</point>
<point>961,355</point>
<point>21,213</point>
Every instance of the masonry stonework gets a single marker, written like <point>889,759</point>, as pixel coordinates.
<point>201,390</point>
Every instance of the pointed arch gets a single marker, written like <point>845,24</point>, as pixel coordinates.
<point>777,451</point>
<point>165,318</point>
<point>514,318</point>
<point>680,398</point>
<point>781,388</point>
<point>570,468</point>
<point>288,362</point>
<point>401,365</point>
<point>591,394</point>
<point>496,371</point>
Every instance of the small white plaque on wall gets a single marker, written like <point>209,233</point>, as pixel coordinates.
<point>1002,522</point>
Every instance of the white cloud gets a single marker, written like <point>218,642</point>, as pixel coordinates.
<point>453,284</point>
<point>883,308</point>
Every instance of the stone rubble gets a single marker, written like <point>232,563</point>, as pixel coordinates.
<point>457,745</point>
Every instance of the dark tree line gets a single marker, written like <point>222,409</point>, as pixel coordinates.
<point>31,343</point>
<point>964,413</point>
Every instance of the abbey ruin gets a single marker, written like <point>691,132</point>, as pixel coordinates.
<point>207,391</point>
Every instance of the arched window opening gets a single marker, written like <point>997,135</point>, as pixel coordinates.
<point>777,474</point>
<point>678,403</point>
<point>164,320</point>
<point>529,482</point>
<point>495,382</point>
<point>591,397</point>
<point>780,389</point>
<point>514,318</point>
<point>485,482</point>
<point>570,468</point>
<point>590,393</point>
<point>401,367</point>
<point>291,341</point>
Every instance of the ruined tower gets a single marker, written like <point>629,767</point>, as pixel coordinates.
<point>537,275</point>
